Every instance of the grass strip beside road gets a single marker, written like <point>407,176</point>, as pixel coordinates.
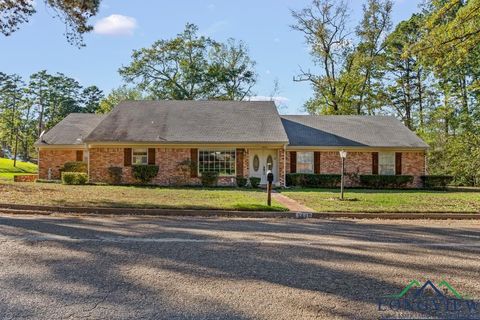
<point>364,200</point>
<point>135,197</point>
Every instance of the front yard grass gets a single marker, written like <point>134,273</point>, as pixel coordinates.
<point>364,200</point>
<point>131,196</point>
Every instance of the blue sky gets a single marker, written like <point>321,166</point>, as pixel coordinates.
<point>122,26</point>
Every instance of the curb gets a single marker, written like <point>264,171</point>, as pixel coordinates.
<point>49,210</point>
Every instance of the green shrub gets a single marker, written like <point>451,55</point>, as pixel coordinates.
<point>184,171</point>
<point>115,175</point>
<point>436,182</point>
<point>74,178</point>
<point>209,178</point>
<point>241,181</point>
<point>75,166</point>
<point>310,180</point>
<point>385,181</point>
<point>144,173</point>
<point>254,182</point>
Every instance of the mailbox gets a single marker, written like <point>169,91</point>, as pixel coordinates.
<point>270,176</point>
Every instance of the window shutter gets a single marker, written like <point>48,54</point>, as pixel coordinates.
<point>79,155</point>
<point>151,155</point>
<point>374,162</point>
<point>127,157</point>
<point>194,160</point>
<point>293,161</point>
<point>398,163</point>
<point>239,161</point>
<point>316,162</point>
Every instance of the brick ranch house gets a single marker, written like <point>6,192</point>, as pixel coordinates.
<point>232,138</point>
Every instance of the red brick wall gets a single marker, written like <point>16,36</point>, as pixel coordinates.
<point>281,166</point>
<point>100,159</point>
<point>25,178</point>
<point>413,163</point>
<point>54,159</point>
<point>167,159</point>
<point>246,163</point>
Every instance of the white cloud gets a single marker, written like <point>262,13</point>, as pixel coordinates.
<point>116,25</point>
<point>279,100</point>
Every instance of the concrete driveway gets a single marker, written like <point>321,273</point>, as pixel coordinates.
<point>199,268</point>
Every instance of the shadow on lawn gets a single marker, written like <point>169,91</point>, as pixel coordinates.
<point>128,205</point>
<point>316,270</point>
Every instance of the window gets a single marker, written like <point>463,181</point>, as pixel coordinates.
<point>221,161</point>
<point>305,162</point>
<point>256,163</point>
<point>386,163</point>
<point>269,163</point>
<point>139,156</point>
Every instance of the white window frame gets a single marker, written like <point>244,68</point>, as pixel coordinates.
<point>143,156</point>
<point>310,163</point>
<point>209,150</point>
<point>386,163</point>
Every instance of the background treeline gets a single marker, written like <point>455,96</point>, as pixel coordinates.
<point>30,106</point>
<point>425,71</point>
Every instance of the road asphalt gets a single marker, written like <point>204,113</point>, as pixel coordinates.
<point>63,267</point>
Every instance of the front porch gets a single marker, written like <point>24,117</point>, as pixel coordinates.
<point>261,160</point>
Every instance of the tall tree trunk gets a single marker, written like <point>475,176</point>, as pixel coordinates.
<point>16,148</point>
<point>40,117</point>
<point>420,98</point>
<point>408,104</point>
<point>465,108</point>
<point>26,154</point>
<point>445,101</point>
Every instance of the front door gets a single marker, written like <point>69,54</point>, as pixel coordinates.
<point>262,160</point>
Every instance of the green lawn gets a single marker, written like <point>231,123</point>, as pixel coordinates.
<point>359,200</point>
<point>7,170</point>
<point>130,196</point>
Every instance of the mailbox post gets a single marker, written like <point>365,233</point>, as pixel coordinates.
<point>269,187</point>
<point>343,155</point>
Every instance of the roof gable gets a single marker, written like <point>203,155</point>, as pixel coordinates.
<point>172,121</point>
<point>72,130</point>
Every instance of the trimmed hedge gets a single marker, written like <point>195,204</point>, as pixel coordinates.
<point>74,178</point>
<point>209,178</point>
<point>385,181</point>
<point>241,181</point>
<point>75,166</point>
<point>255,182</point>
<point>144,173</point>
<point>436,182</point>
<point>310,180</point>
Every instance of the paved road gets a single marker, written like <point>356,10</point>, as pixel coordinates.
<point>206,268</point>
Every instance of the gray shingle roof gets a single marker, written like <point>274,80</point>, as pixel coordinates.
<point>192,122</point>
<point>349,131</point>
<point>72,130</point>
